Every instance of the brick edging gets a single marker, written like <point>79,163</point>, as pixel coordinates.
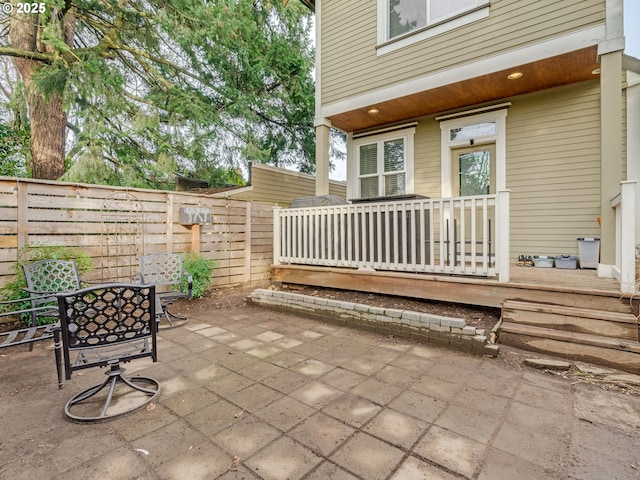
<point>435,329</point>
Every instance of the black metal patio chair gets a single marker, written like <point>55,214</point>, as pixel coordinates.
<point>34,333</point>
<point>46,278</point>
<point>104,326</point>
<point>166,272</point>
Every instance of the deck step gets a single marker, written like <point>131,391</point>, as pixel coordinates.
<point>617,353</point>
<point>573,319</point>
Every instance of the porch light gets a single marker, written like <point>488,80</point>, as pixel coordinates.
<point>514,75</point>
<point>373,111</point>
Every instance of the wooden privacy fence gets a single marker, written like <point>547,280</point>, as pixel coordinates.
<point>115,226</point>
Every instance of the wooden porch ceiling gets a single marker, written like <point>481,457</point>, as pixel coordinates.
<point>552,72</point>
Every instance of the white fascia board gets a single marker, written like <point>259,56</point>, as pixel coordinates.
<point>557,46</point>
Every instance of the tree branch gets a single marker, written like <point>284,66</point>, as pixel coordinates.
<point>45,57</point>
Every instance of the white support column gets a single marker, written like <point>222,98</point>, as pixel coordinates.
<point>611,148</point>
<point>322,157</point>
<point>503,243</point>
<point>627,241</point>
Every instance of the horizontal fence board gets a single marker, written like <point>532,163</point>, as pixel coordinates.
<point>87,217</point>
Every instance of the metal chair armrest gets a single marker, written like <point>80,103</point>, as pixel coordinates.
<point>53,310</point>
<point>40,296</point>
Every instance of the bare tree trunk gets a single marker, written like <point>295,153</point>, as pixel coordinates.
<point>48,135</point>
<point>47,117</point>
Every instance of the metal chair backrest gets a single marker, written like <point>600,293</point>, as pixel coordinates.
<point>162,269</point>
<point>95,321</point>
<point>52,276</point>
<point>49,276</point>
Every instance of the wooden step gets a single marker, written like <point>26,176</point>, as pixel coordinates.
<point>581,320</point>
<point>618,353</point>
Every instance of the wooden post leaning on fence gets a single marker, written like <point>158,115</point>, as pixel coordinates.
<point>194,217</point>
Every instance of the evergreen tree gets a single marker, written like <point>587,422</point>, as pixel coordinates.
<point>128,91</point>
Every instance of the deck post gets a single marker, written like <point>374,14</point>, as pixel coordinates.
<point>502,236</point>
<point>627,240</point>
<point>276,236</point>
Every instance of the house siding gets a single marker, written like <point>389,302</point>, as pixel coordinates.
<point>280,186</point>
<point>351,67</point>
<point>553,169</point>
<point>427,180</point>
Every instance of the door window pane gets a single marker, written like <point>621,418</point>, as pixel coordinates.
<point>477,130</point>
<point>475,173</point>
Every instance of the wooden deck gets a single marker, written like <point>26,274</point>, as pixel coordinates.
<point>579,288</point>
<point>568,313</point>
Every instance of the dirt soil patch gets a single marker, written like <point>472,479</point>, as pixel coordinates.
<point>479,317</point>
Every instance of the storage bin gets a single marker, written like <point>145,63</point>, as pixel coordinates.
<point>589,252</point>
<point>543,261</point>
<point>566,261</point>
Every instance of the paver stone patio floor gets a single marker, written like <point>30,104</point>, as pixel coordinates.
<point>250,393</point>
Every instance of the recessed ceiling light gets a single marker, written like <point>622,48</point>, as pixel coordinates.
<point>373,111</point>
<point>596,71</point>
<point>514,75</point>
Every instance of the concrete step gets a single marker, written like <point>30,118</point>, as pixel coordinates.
<point>617,353</point>
<point>574,319</point>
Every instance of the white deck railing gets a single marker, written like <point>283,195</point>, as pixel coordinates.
<point>624,269</point>
<point>462,235</point>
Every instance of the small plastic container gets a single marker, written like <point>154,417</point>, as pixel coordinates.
<point>569,262</point>
<point>543,261</point>
<point>589,252</point>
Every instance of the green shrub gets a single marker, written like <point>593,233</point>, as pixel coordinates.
<point>14,290</point>
<point>200,269</point>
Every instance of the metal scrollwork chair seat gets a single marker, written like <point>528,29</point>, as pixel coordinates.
<point>104,326</point>
<point>166,272</point>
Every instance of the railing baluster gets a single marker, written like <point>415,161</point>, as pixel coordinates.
<point>485,236</point>
<point>474,236</point>
<point>432,236</point>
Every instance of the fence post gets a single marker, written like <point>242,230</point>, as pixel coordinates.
<point>248,240</point>
<point>23,214</point>
<point>170,200</point>
<point>503,227</point>
<point>276,236</point>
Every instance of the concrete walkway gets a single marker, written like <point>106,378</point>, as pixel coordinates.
<point>250,393</point>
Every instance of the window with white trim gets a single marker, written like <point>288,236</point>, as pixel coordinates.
<point>470,140</point>
<point>404,16</point>
<point>384,164</point>
<point>402,22</point>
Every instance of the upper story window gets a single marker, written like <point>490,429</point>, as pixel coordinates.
<point>408,15</point>
<point>402,22</point>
